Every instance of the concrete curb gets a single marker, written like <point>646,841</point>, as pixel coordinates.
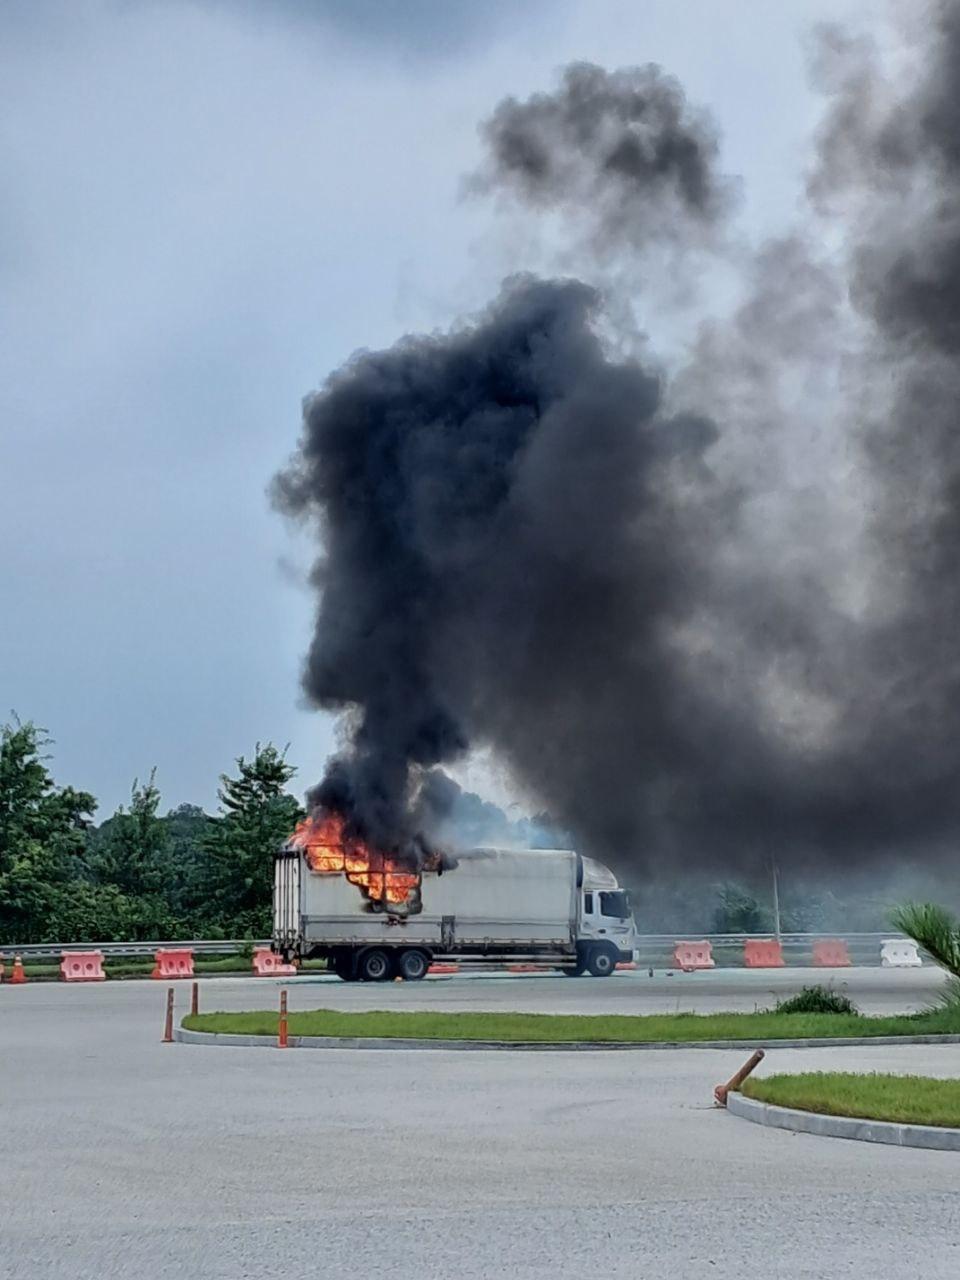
<point>899,1135</point>
<point>527,1046</point>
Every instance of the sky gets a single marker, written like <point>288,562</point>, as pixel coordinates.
<point>207,206</point>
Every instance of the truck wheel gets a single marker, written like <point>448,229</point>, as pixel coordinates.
<point>602,961</point>
<point>374,966</point>
<point>413,965</point>
<point>343,966</point>
<point>576,972</point>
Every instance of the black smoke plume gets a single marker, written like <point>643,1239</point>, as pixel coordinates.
<point>496,517</point>
<point>708,621</point>
<point>622,152</point>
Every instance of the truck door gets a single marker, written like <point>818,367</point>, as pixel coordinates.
<point>589,914</point>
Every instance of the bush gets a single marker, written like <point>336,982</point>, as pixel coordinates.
<point>817,999</point>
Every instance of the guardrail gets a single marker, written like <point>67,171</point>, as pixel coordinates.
<point>45,950</point>
<point>654,949</point>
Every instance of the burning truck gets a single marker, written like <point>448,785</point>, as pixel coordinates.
<point>374,917</point>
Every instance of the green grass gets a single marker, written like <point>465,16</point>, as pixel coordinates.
<point>903,1099</point>
<point>33,970</point>
<point>542,1027</point>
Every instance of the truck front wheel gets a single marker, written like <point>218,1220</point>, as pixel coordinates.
<point>413,965</point>
<point>602,961</point>
<point>374,966</point>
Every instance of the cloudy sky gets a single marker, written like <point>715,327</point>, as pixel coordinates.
<point>206,206</point>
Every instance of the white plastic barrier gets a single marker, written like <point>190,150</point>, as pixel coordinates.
<point>899,953</point>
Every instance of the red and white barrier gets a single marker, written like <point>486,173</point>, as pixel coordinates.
<point>830,953</point>
<point>440,967</point>
<point>763,953</point>
<point>173,962</point>
<point>267,964</point>
<point>899,953</point>
<point>82,966</point>
<point>693,955</point>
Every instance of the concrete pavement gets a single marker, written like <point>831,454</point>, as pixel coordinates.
<point>123,1157</point>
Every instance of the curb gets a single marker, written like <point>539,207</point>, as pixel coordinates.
<point>928,1136</point>
<point>559,1046</point>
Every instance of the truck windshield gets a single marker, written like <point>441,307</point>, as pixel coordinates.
<point>615,904</point>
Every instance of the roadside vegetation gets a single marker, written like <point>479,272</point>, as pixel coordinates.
<point>560,1028</point>
<point>938,932</point>
<point>901,1099</point>
<point>69,873</point>
<point>138,874</point>
<point>817,999</point>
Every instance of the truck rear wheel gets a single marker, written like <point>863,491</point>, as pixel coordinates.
<point>413,965</point>
<point>375,966</point>
<point>602,961</point>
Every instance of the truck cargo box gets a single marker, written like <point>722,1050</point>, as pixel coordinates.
<point>483,897</point>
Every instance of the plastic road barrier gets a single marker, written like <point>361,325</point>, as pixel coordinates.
<point>693,955</point>
<point>763,953</point>
<point>267,964</point>
<point>830,953</point>
<point>899,953</point>
<point>82,966</point>
<point>444,968</point>
<point>174,962</point>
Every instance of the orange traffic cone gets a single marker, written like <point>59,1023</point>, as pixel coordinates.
<point>1,968</point>
<point>17,974</point>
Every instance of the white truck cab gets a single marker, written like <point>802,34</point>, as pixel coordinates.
<point>605,913</point>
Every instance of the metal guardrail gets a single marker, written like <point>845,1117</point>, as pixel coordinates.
<point>651,947</point>
<point>45,950</point>
<point>656,949</point>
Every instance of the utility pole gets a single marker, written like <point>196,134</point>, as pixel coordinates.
<point>775,873</point>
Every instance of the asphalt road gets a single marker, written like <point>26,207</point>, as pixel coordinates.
<point>123,1157</point>
<point>873,990</point>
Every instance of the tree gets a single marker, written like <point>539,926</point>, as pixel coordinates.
<point>130,846</point>
<point>257,815</point>
<point>182,864</point>
<point>130,858</point>
<point>739,912</point>
<point>42,837</point>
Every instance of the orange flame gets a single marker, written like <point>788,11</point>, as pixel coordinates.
<point>329,852</point>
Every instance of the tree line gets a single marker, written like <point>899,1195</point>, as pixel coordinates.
<point>144,875</point>
<point>139,874</point>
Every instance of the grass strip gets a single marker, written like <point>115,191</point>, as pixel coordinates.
<point>877,1096</point>
<point>565,1028</point>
